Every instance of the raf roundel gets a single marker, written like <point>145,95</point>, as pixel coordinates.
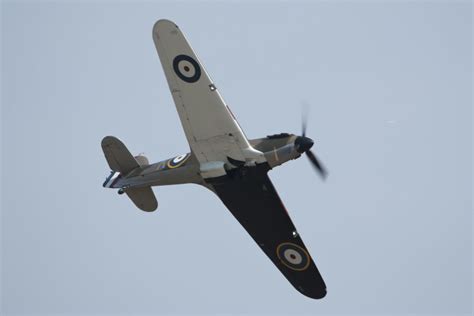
<point>293,256</point>
<point>177,161</point>
<point>186,68</point>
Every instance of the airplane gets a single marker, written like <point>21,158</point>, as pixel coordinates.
<point>223,160</point>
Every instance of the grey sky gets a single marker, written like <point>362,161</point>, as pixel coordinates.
<point>390,89</point>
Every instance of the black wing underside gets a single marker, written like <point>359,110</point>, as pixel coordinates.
<point>252,199</point>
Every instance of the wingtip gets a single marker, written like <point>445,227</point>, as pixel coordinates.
<point>163,23</point>
<point>312,289</point>
<point>317,295</point>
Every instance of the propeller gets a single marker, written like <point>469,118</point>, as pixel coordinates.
<point>312,157</point>
<point>304,144</point>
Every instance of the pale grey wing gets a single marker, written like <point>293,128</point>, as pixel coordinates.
<point>211,130</point>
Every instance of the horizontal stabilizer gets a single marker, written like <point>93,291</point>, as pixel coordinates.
<point>117,155</point>
<point>144,198</point>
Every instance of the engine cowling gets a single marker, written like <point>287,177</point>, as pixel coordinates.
<point>280,155</point>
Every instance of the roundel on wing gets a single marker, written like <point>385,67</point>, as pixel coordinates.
<point>186,68</point>
<point>177,161</point>
<point>293,256</point>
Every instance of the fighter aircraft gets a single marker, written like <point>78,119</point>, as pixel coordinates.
<point>222,159</point>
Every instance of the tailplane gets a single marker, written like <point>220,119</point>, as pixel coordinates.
<point>143,198</point>
<point>117,155</point>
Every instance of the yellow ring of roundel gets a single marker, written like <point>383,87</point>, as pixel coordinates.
<point>169,165</point>
<point>303,252</point>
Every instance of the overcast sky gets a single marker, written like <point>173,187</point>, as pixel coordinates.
<point>389,86</point>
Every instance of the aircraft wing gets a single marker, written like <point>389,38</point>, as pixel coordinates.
<point>211,130</point>
<point>254,202</point>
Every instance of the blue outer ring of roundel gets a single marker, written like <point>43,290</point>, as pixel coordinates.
<point>197,69</point>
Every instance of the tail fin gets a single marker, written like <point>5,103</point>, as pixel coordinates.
<point>143,198</point>
<point>117,155</point>
<point>142,160</point>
